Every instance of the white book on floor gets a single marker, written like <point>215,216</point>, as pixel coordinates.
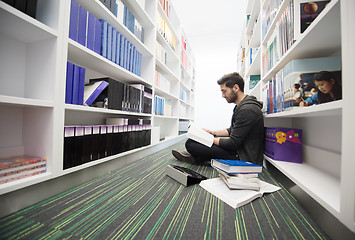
<point>200,135</point>
<point>236,198</point>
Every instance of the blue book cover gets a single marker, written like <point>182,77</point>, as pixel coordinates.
<point>127,51</point>
<point>104,38</point>
<point>73,21</point>
<point>90,36</point>
<point>109,42</point>
<point>69,83</point>
<point>114,45</point>
<point>118,47</point>
<point>139,64</point>
<point>135,58</point>
<point>236,166</point>
<point>76,82</point>
<point>124,58</point>
<point>133,50</point>
<point>129,66</point>
<point>92,91</point>
<point>82,25</point>
<point>81,85</point>
<point>122,47</point>
<point>97,40</point>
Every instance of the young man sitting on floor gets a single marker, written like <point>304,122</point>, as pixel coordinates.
<point>243,139</point>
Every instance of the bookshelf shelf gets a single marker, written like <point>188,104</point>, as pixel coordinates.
<point>325,173</point>
<point>24,182</point>
<point>94,110</point>
<point>24,102</point>
<point>322,110</point>
<point>34,57</point>
<point>320,185</point>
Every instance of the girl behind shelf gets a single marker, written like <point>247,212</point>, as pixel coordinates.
<point>328,88</point>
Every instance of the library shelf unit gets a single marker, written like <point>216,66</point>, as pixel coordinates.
<point>34,55</point>
<point>326,173</point>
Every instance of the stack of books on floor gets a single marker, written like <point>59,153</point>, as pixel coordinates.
<point>237,174</point>
<point>15,168</point>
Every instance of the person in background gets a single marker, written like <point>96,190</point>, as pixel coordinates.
<point>328,89</point>
<point>243,140</point>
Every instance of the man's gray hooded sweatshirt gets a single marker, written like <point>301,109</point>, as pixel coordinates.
<point>246,133</point>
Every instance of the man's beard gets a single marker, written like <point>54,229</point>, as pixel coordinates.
<point>232,98</point>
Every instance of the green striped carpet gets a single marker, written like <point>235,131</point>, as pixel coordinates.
<point>140,202</point>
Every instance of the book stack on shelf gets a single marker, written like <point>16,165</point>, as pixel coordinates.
<point>165,30</point>
<point>237,174</point>
<point>303,82</point>
<point>161,81</point>
<point>103,38</point>
<point>163,106</point>
<point>83,144</point>
<point>19,167</point>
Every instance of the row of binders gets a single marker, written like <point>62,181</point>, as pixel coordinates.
<point>19,167</point>
<point>101,37</point>
<point>117,95</point>
<point>237,174</point>
<point>83,144</point>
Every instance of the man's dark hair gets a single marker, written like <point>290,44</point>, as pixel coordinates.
<point>231,79</point>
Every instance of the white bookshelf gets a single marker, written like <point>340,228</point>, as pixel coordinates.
<point>34,55</point>
<point>326,173</point>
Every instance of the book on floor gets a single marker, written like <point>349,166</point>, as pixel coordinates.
<point>241,183</point>
<point>236,166</point>
<point>200,135</point>
<point>236,198</point>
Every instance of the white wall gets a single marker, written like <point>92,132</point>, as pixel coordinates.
<point>213,30</point>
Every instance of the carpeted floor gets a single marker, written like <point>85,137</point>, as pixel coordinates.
<point>140,202</point>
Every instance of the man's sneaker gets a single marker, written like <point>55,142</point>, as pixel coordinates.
<point>184,156</point>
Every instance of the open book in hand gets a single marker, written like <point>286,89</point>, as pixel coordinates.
<point>200,135</point>
<point>236,198</point>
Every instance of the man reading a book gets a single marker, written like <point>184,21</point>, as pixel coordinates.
<point>243,140</point>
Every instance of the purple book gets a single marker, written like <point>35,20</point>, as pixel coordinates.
<point>90,36</point>
<point>76,80</point>
<point>69,83</point>
<point>82,25</point>
<point>97,40</point>
<point>81,86</point>
<point>92,91</point>
<point>284,144</point>
<point>74,19</point>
